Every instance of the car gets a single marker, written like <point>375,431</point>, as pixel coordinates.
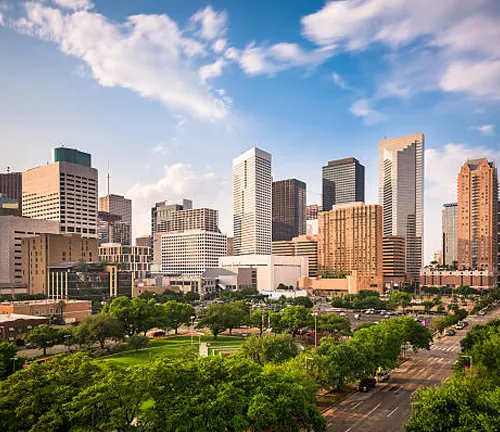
<point>366,383</point>
<point>465,323</point>
<point>482,313</point>
<point>451,332</point>
<point>342,314</point>
<point>383,376</point>
<point>357,316</point>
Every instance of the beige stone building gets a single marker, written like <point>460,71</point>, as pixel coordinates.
<point>350,239</point>
<point>304,245</point>
<point>12,232</point>
<point>394,253</point>
<point>131,258</point>
<point>71,310</point>
<point>42,251</point>
<point>349,284</point>
<point>64,191</point>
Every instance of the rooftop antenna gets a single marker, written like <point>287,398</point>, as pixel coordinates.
<point>8,170</point>
<point>108,177</point>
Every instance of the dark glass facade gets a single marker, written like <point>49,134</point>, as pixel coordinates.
<point>289,209</point>
<point>11,186</point>
<point>343,182</point>
<point>64,154</point>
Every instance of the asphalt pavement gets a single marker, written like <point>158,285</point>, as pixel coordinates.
<point>388,406</point>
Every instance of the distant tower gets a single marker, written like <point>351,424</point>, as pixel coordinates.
<point>289,209</point>
<point>401,191</point>
<point>252,200</point>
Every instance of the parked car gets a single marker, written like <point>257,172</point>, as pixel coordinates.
<point>383,376</point>
<point>451,332</point>
<point>482,313</point>
<point>357,316</point>
<point>366,384</point>
<point>342,314</point>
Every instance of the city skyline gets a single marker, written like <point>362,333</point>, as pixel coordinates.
<point>160,150</point>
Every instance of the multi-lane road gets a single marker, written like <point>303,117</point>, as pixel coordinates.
<point>387,407</point>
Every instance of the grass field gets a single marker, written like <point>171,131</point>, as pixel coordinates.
<point>161,347</point>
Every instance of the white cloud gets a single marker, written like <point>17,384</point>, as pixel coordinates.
<point>213,24</point>
<point>178,181</point>
<point>361,108</point>
<point>74,4</point>
<point>486,129</point>
<point>212,70</point>
<point>479,78</point>
<point>160,149</point>
<point>147,54</point>
<point>341,82</point>
<point>262,60</point>
<point>441,171</point>
<point>219,45</point>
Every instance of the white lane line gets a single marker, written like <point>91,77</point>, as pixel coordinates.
<point>357,405</point>
<point>348,429</point>
<point>399,388</point>
<point>329,424</point>
<point>392,412</point>
<point>372,410</point>
<point>430,377</point>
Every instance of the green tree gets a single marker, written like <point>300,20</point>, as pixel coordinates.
<point>399,298</point>
<point>412,332</point>
<point>177,314</point>
<point>191,296</point>
<point>302,301</point>
<point>334,324</point>
<point>368,293</point>
<point>270,349</point>
<point>137,342</point>
<point>99,328</point>
<point>7,355</point>
<point>258,319</point>
<point>43,336</point>
<point>295,318</point>
<point>228,296</point>
<point>213,317</point>
<point>236,314</point>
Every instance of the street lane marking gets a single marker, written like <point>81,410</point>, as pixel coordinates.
<point>398,389</point>
<point>348,429</point>
<point>430,377</point>
<point>357,405</point>
<point>372,410</point>
<point>329,424</point>
<point>392,412</point>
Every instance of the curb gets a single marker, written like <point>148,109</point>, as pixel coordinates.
<point>336,403</point>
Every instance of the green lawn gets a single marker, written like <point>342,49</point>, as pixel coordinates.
<point>161,347</point>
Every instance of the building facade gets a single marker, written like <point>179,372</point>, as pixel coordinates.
<point>289,209</point>
<point>71,311</point>
<point>477,216</point>
<point>305,246</point>
<point>477,279</point>
<point>161,214</point>
<point>394,255</point>
<point>41,251</point>
<point>11,186</point>
<point>312,211</point>
<point>12,232</point>
<point>343,182</point>
<point>111,229</point>
<point>134,259</point>
<point>13,326</point>
<point>401,191</point>
<point>118,205</point>
<point>350,239</point>
<point>268,271</point>
<point>191,252</point>
<point>450,234</point>
<point>63,191</point>
<point>252,201</point>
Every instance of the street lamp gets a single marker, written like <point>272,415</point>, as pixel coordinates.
<point>315,329</point>
<point>192,328</point>
<point>199,338</point>
<point>14,359</point>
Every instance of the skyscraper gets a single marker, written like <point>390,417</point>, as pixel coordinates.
<point>118,205</point>
<point>289,209</point>
<point>252,203</point>
<point>343,182</point>
<point>450,234</point>
<point>111,206</point>
<point>477,216</point>
<point>11,186</point>
<point>161,214</point>
<point>350,239</point>
<point>64,191</point>
<point>401,187</point>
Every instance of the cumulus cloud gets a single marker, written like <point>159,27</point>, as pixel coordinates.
<point>178,181</point>
<point>486,129</point>
<point>213,24</point>
<point>212,70</point>
<point>442,166</point>
<point>148,54</point>
<point>341,82</point>
<point>219,45</point>
<point>74,4</point>
<point>361,108</point>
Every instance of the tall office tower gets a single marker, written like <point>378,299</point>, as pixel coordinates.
<point>64,191</point>
<point>305,246</point>
<point>350,238</point>
<point>394,260</point>
<point>312,211</point>
<point>252,203</point>
<point>498,230</point>
<point>161,214</point>
<point>401,191</point>
<point>111,229</point>
<point>343,182</point>
<point>117,204</point>
<point>289,209</point>
<point>477,216</point>
<point>450,234</point>
<point>202,219</point>
<point>11,186</point>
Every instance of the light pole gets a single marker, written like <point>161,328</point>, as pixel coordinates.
<point>14,359</point>
<point>470,361</point>
<point>315,329</point>
<point>192,328</point>
<point>305,364</point>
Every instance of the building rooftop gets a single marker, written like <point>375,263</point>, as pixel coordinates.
<point>14,317</point>
<point>343,161</point>
<point>40,302</point>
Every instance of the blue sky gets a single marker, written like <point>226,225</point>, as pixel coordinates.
<point>171,91</point>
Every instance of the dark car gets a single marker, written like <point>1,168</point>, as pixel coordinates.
<point>367,383</point>
<point>451,332</point>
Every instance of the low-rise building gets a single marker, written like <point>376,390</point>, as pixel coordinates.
<point>348,284</point>
<point>269,271</point>
<point>131,258</point>
<point>304,245</point>
<point>478,279</point>
<point>69,310</point>
<point>89,281</point>
<point>13,327</point>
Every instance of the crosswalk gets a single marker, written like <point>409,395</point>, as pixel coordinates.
<point>447,348</point>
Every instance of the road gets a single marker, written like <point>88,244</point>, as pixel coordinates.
<point>387,407</point>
